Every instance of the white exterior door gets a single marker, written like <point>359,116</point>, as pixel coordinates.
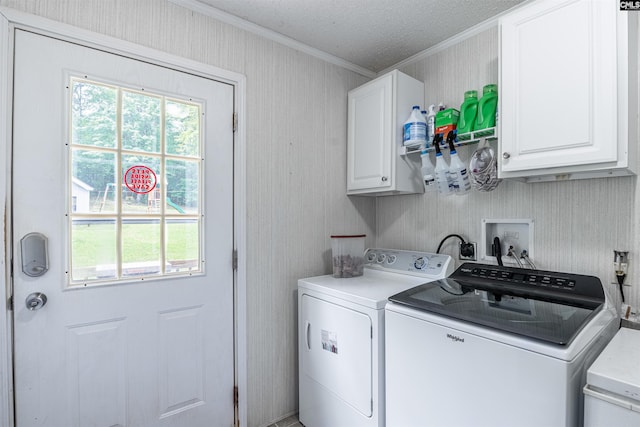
<point>138,326</point>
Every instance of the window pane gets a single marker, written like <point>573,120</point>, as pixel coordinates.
<point>140,122</point>
<point>93,114</point>
<point>93,183</point>
<point>183,186</point>
<point>135,181</point>
<point>182,129</point>
<point>140,247</point>
<point>183,243</point>
<point>93,249</point>
<point>141,184</point>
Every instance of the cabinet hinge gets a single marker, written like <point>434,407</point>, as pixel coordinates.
<point>235,260</point>
<point>372,332</point>
<point>235,396</point>
<point>10,303</point>
<point>235,121</point>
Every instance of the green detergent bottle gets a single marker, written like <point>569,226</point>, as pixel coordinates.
<point>487,107</point>
<point>468,112</point>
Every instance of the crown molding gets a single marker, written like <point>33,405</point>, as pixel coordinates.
<point>243,24</point>
<point>451,41</point>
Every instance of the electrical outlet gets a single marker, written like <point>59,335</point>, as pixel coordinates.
<point>467,251</point>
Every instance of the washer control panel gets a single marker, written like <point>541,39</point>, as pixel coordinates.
<point>409,262</point>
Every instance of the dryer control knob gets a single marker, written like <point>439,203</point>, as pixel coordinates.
<point>420,263</point>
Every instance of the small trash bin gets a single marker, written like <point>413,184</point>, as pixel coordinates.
<point>347,255</point>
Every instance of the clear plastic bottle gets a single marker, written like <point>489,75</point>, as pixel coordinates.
<point>415,128</point>
<point>428,172</point>
<point>426,134</point>
<point>443,181</point>
<point>457,169</point>
<point>431,122</point>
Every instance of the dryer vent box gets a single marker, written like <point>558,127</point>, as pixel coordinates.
<point>511,232</point>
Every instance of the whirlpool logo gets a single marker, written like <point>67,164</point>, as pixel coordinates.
<point>629,5</point>
<point>455,338</point>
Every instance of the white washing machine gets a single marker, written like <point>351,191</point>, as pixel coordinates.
<point>612,393</point>
<point>341,336</point>
<point>494,346</point>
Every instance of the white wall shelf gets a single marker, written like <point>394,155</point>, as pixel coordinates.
<point>463,139</point>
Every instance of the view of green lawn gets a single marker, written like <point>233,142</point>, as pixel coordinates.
<point>94,243</point>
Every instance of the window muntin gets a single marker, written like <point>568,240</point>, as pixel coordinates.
<point>135,184</point>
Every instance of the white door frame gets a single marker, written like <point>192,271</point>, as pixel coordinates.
<point>11,19</point>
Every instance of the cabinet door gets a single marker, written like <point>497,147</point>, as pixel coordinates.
<point>558,85</point>
<point>370,138</point>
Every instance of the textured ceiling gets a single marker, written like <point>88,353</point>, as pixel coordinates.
<point>374,34</point>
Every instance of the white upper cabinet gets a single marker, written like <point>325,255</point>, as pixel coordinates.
<point>568,90</point>
<point>377,111</point>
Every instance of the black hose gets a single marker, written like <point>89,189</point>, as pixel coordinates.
<point>620,279</point>
<point>443,240</point>
<point>497,250</point>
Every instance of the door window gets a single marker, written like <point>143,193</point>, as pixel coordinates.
<point>136,184</point>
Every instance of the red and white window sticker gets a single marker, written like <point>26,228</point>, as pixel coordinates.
<point>140,179</point>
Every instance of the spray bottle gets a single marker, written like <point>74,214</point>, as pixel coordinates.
<point>457,169</point>
<point>428,172</point>
<point>441,170</point>
<point>431,122</point>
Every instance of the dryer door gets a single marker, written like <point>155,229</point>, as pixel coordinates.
<point>336,351</point>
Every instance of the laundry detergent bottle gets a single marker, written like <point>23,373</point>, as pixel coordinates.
<point>487,107</point>
<point>468,112</point>
<point>443,181</point>
<point>458,172</point>
<point>415,129</point>
<point>428,172</point>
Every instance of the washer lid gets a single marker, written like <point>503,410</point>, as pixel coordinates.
<point>617,369</point>
<point>547,306</point>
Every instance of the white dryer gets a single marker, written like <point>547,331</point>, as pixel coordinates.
<point>341,336</point>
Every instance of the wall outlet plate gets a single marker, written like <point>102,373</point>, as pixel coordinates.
<point>466,254</point>
<point>511,232</point>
